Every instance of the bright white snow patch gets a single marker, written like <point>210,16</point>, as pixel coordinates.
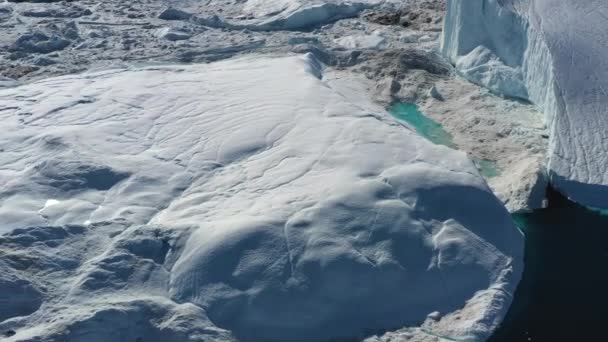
<point>50,202</point>
<point>247,196</point>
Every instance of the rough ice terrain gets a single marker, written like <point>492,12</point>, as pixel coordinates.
<point>553,54</point>
<point>245,195</point>
<point>264,195</point>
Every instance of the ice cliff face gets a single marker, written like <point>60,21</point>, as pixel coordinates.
<point>245,199</point>
<point>551,52</point>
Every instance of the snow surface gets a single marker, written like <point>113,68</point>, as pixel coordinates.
<point>247,198</point>
<point>558,49</point>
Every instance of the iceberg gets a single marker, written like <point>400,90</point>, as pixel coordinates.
<point>301,14</point>
<point>253,197</point>
<point>288,15</point>
<point>551,53</point>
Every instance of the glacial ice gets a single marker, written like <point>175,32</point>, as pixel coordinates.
<point>557,47</point>
<point>290,15</point>
<point>374,41</point>
<point>481,66</point>
<point>301,14</point>
<point>252,197</point>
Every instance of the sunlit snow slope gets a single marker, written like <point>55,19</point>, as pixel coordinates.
<point>241,199</point>
<point>552,52</point>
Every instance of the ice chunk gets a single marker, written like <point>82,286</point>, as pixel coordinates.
<point>39,42</point>
<point>174,14</point>
<point>271,15</point>
<point>173,34</point>
<point>374,41</point>
<point>252,197</point>
<point>483,67</point>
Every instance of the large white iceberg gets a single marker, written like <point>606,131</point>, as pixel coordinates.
<point>552,52</point>
<point>249,199</point>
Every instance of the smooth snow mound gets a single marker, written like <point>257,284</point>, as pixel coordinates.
<point>244,199</point>
<point>557,50</point>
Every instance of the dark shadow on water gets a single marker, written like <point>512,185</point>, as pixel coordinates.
<point>563,295</point>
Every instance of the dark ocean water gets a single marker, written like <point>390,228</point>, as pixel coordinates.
<point>563,295</point>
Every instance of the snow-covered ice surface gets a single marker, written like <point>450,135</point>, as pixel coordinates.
<point>557,50</point>
<point>242,199</point>
<point>264,197</point>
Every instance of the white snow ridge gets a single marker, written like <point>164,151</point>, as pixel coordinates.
<point>246,199</point>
